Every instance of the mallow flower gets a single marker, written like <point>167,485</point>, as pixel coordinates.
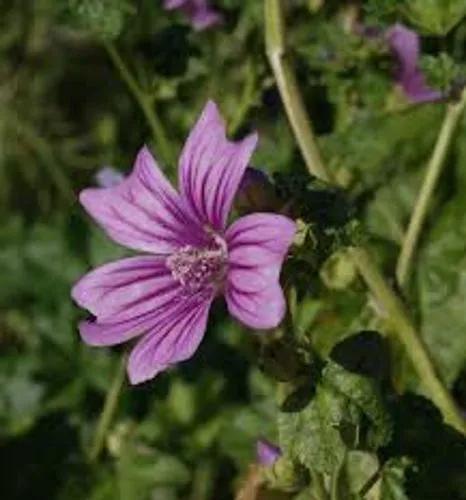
<point>191,254</point>
<point>199,13</point>
<point>404,45</point>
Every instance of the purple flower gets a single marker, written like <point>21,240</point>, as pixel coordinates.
<point>108,177</point>
<point>267,453</point>
<point>404,45</point>
<point>198,12</point>
<point>192,256</point>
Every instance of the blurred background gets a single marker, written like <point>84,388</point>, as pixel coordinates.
<point>67,109</point>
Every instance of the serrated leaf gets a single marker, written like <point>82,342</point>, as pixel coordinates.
<point>312,436</point>
<point>319,435</point>
<point>365,394</point>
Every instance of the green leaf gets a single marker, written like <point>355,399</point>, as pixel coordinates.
<point>104,18</point>
<point>140,471</point>
<point>435,17</point>
<point>335,420</point>
<point>20,402</point>
<point>365,394</point>
<point>311,436</point>
<point>376,147</point>
<point>442,289</point>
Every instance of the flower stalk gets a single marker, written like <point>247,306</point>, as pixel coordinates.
<point>108,410</point>
<point>145,103</point>
<point>388,300</point>
<point>432,175</point>
<point>289,90</point>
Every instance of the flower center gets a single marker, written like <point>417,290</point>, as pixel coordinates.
<point>199,268</point>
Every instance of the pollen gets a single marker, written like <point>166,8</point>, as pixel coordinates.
<point>199,268</point>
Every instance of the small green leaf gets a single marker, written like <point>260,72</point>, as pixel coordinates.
<point>436,17</point>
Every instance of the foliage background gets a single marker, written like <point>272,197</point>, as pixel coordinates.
<point>65,112</point>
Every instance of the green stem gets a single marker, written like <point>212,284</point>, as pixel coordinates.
<point>434,169</point>
<point>289,91</point>
<point>108,410</point>
<point>389,301</point>
<point>395,311</point>
<point>145,102</point>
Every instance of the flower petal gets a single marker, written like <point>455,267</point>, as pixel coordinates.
<point>257,246</point>
<point>199,13</point>
<point>143,212</point>
<point>405,47</point>
<point>97,334</point>
<point>417,90</point>
<point>211,168</point>
<point>175,338</point>
<point>404,44</point>
<point>126,289</point>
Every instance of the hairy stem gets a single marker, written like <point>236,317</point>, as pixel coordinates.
<point>432,175</point>
<point>145,103</point>
<point>397,316</point>
<point>108,410</point>
<point>288,87</point>
<point>388,300</point>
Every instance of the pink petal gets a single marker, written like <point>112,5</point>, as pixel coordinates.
<point>199,13</point>
<point>97,334</point>
<point>175,338</point>
<point>143,212</point>
<point>211,168</point>
<point>257,246</point>
<point>417,90</point>
<point>126,289</point>
<point>405,45</point>
<point>206,18</point>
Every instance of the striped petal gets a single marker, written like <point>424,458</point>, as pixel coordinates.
<point>257,246</point>
<point>211,168</point>
<point>174,338</point>
<point>143,212</point>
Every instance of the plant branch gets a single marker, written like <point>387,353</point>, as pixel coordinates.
<point>108,410</point>
<point>289,91</point>
<point>145,102</point>
<point>432,175</point>
<point>388,300</point>
<point>398,317</point>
